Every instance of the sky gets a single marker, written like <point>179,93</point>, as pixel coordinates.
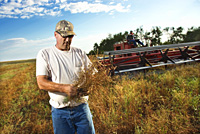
<point>26,26</point>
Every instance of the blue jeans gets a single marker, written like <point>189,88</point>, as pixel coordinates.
<point>134,42</point>
<point>71,120</point>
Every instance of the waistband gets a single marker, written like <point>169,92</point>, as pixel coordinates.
<point>72,106</point>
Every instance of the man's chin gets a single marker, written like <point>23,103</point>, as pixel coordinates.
<point>66,49</point>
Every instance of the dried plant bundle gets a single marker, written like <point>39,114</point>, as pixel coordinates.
<point>92,79</point>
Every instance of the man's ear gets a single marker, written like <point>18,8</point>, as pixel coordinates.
<point>55,34</point>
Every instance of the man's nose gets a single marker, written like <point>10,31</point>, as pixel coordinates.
<point>65,39</point>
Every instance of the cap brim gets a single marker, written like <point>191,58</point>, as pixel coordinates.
<point>68,33</point>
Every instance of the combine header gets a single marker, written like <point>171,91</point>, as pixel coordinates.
<point>125,58</point>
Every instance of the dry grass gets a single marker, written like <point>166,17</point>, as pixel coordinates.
<point>157,103</point>
<point>24,108</point>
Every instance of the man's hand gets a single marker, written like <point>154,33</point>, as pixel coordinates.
<point>70,90</point>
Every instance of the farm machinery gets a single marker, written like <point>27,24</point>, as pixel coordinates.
<point>125,58</point>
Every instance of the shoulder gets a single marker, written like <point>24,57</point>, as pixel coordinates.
<point>77,50</point>
<point>45,50</point>
<point>44,53</point>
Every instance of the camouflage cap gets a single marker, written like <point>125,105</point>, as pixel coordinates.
<point>65,28</point>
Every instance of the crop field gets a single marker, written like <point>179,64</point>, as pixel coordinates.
<point>160,103</point>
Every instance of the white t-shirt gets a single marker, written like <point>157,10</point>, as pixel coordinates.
<point>62,67</point>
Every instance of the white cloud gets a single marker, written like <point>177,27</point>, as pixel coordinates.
<point>85,7</point>
<point>30,8</point>
<point>21,48</point>
<point>62,1</point>
<point>98,1</point>
<point>29,2</point>
<point>23,43</point>
<point>26,16</point>
<point>10,43</point>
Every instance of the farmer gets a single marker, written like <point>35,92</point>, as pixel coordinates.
<point>57,68</point>
<point>131,39</point>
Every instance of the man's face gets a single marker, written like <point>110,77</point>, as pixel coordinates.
<point>63,43</point>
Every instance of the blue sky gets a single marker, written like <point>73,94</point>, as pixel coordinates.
<point>26,26</point>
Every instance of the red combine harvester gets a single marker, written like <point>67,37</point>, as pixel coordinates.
<point>125,58</point>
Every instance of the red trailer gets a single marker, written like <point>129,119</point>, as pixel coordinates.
<point>126,58</point>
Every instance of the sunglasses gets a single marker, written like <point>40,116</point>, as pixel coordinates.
<point>68,36</point>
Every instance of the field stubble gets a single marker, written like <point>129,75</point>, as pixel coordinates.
<point>156,103</point>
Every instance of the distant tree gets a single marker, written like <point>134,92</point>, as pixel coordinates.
<point>102,46</point>
<point>140,33</point>
<point>107,44</point>
<point>193,34</point>
<point>91,52</point>
<point>147,38</point>
<point>109,36</point>
<point>151,38</point>
<point>118,37</point>
<point>166,31</point>
<point>95,48</point>
<point>177,35</point>
<point>125,34</point>
<point>156,36</point>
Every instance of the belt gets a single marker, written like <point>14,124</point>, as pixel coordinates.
<point>73,106</point>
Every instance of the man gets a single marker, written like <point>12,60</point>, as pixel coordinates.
<point>57,68</point>
<point>131,39</point>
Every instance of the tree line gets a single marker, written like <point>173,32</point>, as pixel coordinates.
<point>151,38</point>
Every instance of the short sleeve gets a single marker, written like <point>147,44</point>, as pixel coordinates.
<point>41,64</point>
<point>88,63</point>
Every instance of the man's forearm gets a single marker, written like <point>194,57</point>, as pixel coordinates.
<point>51,86</point>
<point>48,85</point>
